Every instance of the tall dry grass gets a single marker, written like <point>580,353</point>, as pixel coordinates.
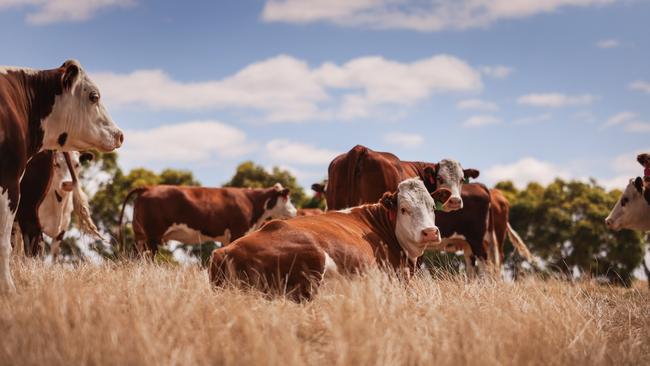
<point>146,314</point>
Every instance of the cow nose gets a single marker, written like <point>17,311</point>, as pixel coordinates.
<point>67,186</point>
<point>608,222</point>
<point>431,234</point>
<point>454,203</point>
<point>120,138</point>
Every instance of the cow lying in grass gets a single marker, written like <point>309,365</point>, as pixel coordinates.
<point>293,256</point>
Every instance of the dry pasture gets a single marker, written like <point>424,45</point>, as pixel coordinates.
<point>139,313</point>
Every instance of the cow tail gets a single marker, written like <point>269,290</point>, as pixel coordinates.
<point>519,244</point>
<point>126,200</point>
<point>81,208</point>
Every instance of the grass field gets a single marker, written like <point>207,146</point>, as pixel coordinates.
<point>140,313</point>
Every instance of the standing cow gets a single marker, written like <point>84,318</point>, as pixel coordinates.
<point>293,256</point>
<point>362,175</point>
<point>197,214</point>
<point>57,109</point>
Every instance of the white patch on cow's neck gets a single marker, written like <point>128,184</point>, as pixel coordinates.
<point>6,221</point>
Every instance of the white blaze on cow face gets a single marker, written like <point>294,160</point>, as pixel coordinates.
<point>450,175</point>
<point>277,207</point>
<point>415,228</point>
<point>631,211</point>
<point>79,120</point>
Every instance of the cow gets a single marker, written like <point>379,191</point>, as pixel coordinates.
<point>362,175</point>
<point>631,211</point>
<point>293,256</point>
<point>194,215</point>
<point>58,109</point>
<point>46,204</point>
<point>309,212</point>
<point>480,223</point>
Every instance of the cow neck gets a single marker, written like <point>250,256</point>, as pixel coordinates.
<point>416,168</point>
<point>258,198</point>
<point>38,91</point>
<point>379,220</point>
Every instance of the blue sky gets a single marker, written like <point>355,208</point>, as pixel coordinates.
<point>522,90</point>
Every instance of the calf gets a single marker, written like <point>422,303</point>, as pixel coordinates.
<point>362,175</point>
<point>197,214</point>
<point>57,109</point>
<point>294,255</point>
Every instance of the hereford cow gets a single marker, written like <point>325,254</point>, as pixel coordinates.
<point>362,175</point>
<point>46,202</point>
<point>631,210</point>
<point>294,255</point>
<point>57,109</point>
<point>197,214</point>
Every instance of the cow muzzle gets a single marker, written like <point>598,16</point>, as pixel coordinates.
<point>67,186</point>
<point>611,224</point>
<point>453,203</point>
<point>430,236</point>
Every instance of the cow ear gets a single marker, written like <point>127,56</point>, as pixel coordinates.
<point>430,175</point>
<point>71,71</point>
<point>638,184</point>
<point>642,158</point>
<point>389,201</point>
<point>471,173</point>
<point>318,188</point>
<point>285,192</point>
<point>441,195</point>
<point>86,157</point>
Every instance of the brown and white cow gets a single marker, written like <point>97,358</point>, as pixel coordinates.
<point>194,215</point>
<point>293,256</point>
<point>631,210</point>
<point>57,109</point>
<point>362,175</point>
<point>46,205</point>
<point>480,223</point>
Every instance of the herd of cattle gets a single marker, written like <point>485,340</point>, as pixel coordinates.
<point>382,211</point>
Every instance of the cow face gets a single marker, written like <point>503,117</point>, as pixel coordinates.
<point>413,208</point>
<point>631,211</point>
<point>279,206</point>
<point>79,120</point>
<point>61,178</point>
<point>449,174</point>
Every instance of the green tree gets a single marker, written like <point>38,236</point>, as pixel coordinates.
<point>251,175</point>
<point>563,224</point>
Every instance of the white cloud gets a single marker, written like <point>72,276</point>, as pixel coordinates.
<point>620,118</point>
<point>608,43</point>
<point>286,89</point>
<point>640,85</point>
<point>477,104</point>
<point>56,11</point>
<point>404,140</point>
<point>555,100</point>
<point>423,15</point>
<point>637,126</point>
<point>480,121</point>
<point>524,171</point>
<point>530,120</point>
<point>189,142</point>
<point>496,72</point>
<point>288,152</point>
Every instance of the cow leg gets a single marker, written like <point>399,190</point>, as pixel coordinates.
<point>469,263</point>
<point>8,197</point>
<point>17,241</point>
<point>55,248</point>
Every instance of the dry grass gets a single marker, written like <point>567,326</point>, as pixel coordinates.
<point>141,313</point>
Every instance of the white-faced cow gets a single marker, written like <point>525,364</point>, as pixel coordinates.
<point>57,109</point>
<point>362,175</point>
<point>295,255</point>
<point>631,211</point>
<point>195,215</point>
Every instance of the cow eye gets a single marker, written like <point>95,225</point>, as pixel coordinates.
<point>94,97</point>
<point>624,201</point>
<point>404,211</point>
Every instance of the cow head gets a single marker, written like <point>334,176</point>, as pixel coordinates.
<point>450,175</point>
<point>319,188</point>
<point>279,205</point>
<point>61,178</point>
<point>631,211</point>
<point>79,120</point>
<point>413,208</point>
